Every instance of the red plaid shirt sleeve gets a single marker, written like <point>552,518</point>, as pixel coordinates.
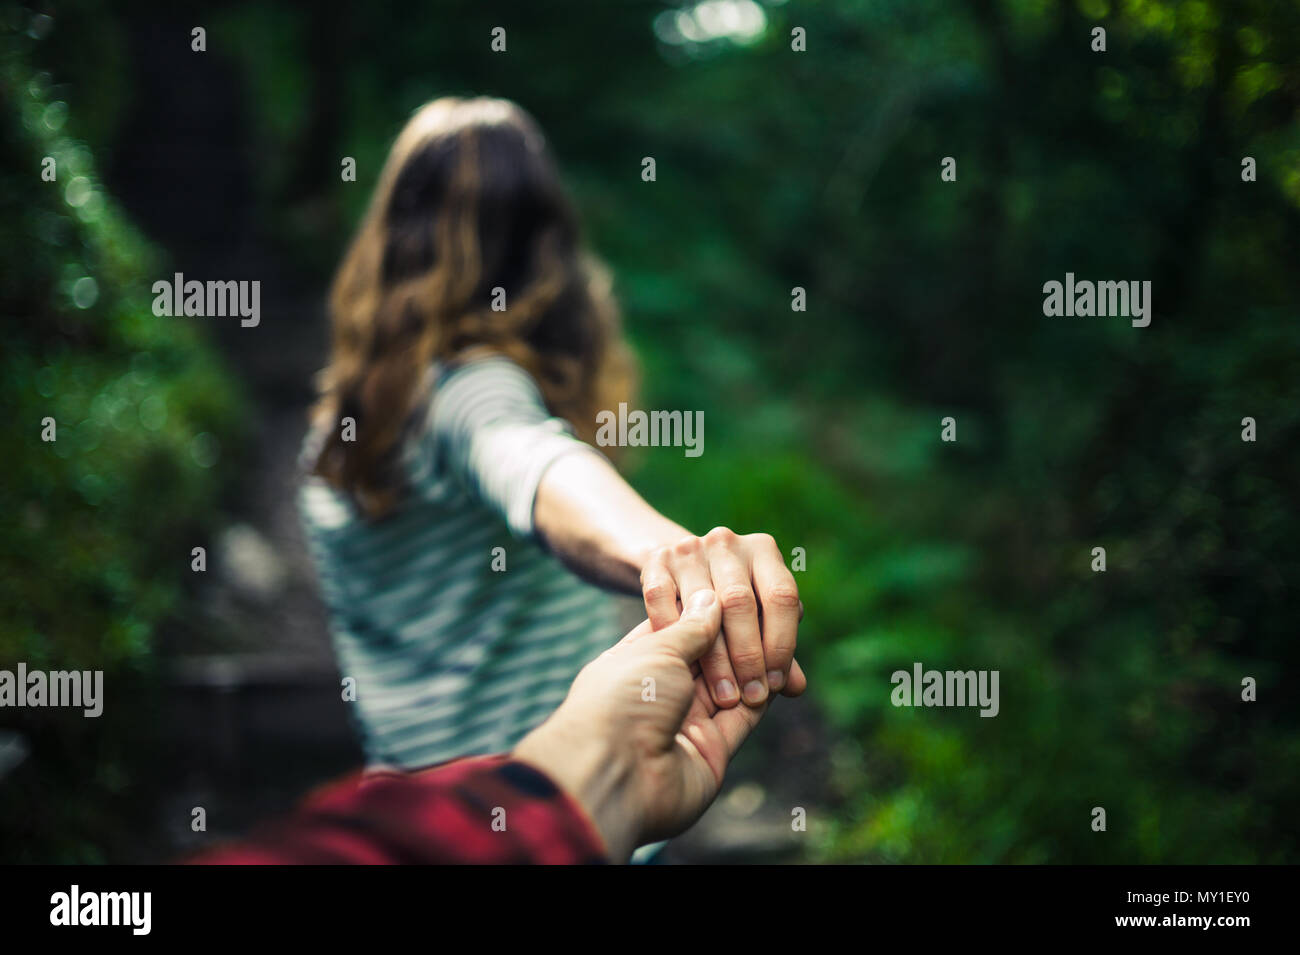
<point>484,809</point>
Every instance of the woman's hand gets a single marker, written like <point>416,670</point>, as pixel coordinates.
<point>760,610</point>
<point>601,528</point>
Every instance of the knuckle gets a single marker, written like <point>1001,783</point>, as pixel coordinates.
<point>764,540</point>
<point>698,623</point>
<point>782,597</point>
<point>686,547</point>
<point>720,535</point>
<point>748,660</point>
<point>657,591</point>
<point>736,597</point>
<point>715,661</point>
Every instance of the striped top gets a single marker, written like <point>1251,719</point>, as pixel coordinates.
<point>452,657</point>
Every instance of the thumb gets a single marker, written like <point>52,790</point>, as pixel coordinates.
<point>692,635</point>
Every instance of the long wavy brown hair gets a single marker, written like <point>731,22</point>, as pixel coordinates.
<point>468,203</point>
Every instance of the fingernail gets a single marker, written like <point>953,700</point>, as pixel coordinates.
<point>701,599</point>
<point>725,690</point>
<point>755,693</point>
<point>776,680</point>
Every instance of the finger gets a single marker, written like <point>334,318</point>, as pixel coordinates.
<point>686,561</point>
<point>702,707</point>
<point>778,595</point>
<point>698,628</point>
<point>797,682</point>
<point>703,696</point>
<point>736,724</point>
<point>744,640</point>
<point>660,592</point>
<point>718,675</point>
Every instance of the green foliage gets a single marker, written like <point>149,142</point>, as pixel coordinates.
<point>99,522</point>
<point>1119,689</point>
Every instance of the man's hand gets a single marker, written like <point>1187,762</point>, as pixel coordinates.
<point>638,742</point>
<point>760,609</point>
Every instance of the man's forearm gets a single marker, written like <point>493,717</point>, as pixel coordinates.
<point>596,524</point>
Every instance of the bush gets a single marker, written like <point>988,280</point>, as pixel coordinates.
<point>101,520</point>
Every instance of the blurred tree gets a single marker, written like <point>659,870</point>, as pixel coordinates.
<point>101,519</point>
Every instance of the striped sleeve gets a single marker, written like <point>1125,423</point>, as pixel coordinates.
<point>490,430</point>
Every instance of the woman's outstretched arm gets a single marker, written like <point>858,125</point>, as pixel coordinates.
<point>493,433</point>
<point>594,522</point>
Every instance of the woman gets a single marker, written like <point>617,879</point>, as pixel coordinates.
<point>461,523</point>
